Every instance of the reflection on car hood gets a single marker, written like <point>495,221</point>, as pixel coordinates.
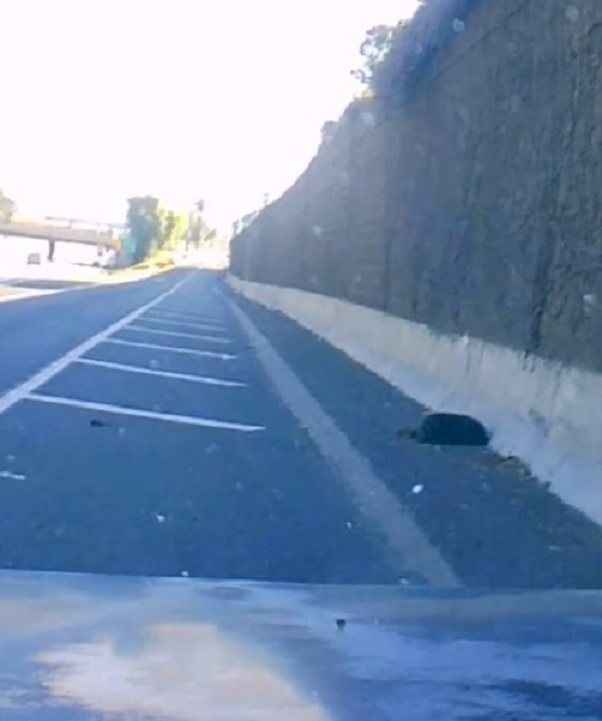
<point>90,647</point>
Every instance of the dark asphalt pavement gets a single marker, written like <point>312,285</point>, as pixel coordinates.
<point>144,496</point>
<point>89,488</point>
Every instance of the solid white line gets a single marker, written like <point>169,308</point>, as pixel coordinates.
<point>171,348</point>
<point>408,548</point>
<point>43,376</point>
<point>171,323</point>
<point>139,413</point>
<point>212,338</point>
<point>206,380</point>
<point>187,316</point>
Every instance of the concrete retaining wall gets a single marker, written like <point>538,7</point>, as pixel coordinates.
<point>538,410</point>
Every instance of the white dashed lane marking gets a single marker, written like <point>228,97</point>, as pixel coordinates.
<point>176,334</point>
<point>32,389</point>
<point>140,413</point>
<point>171,349</point>
<point>182,324</point>
<point>205,380</point>
<point>48,372</point>
<point>162,314</point>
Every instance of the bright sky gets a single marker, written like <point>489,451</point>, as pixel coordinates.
<point>184,99</point>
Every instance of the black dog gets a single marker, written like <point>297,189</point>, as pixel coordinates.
<point>449,429</point>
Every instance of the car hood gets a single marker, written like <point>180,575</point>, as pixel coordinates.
<point>78,647</point>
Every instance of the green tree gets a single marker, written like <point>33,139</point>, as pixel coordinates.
<point>144,226</point>
<point>168,224</point>
<point>373,50</point>
<point>7,208</point>
<point>152,226</point>
<point>174,228</point>
<point>198,230</point>
<point>181,228</point>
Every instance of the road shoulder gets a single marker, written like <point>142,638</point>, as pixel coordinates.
<point>494,524</point>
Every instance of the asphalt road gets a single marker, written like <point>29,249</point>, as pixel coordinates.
<point>152,428</point>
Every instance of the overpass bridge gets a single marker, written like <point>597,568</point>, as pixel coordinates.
<point>100,236</point>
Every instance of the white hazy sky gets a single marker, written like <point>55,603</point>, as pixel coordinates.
<point>185,99</point>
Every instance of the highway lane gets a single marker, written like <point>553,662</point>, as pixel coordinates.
<point>191,464</point>
<point>164,427</point>
<point>34,331</point>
